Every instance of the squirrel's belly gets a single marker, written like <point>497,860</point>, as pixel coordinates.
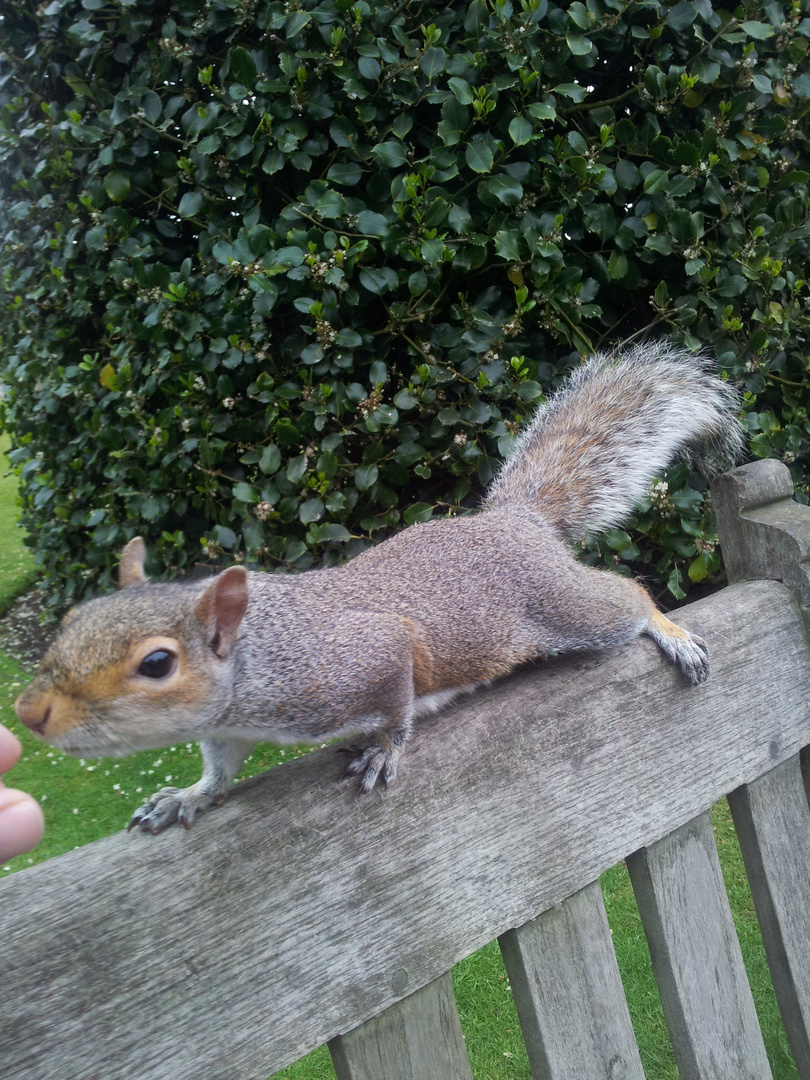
<point>431,703</point>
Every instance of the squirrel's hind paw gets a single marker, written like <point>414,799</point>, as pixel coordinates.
<point>371,763</point>
<point>168,805</point>
<point>692,657</point>
<point>687,651</point>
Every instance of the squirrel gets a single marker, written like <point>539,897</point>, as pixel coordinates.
<point>365,647</point>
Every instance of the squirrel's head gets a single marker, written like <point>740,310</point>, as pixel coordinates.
<point>147,666</point>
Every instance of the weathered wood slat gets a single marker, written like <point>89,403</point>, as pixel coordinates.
<point>569,994</point>
<point>696,957</point>
<point>299,910</point>
<point>419,1038</point>
<point>764,532</point>
<point>773,825</point>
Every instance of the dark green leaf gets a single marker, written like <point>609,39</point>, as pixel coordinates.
<point>541,110</point>
<point>190,204</point>
<point>117,185</point>
<point>478,155</point>
<point>656,180</point>
<point>297,468</point>
<point>391,153</point>
<point>462,90</point>
<point>295,23</point>
<point>509,244</point>
<point>617,265</point>
<point>418,282</point>
<point>627,174</point>
<point>681,16</point>
<point>379,280</point>
<point>348,338</point>
<point>759,30</point>
<point>433,61</point>
<point>244,492</point>
<point>209,145</point>
<point>378,373</point>
<point>270,460</point>
<point>369,67</point>
<point>371,223</point>
<point>419,511</point>
<point>520,130</point>
<point>571,90</point>
<point>96,238</point>
<point>242,66</point>
<point>432,250</point>
<point>226,537</point>
<point>578,44</point>
<point>311,510</point>
<point>402,124</point>
<point>349,173</point>
<point>365,476</point>
<point>506,189</point>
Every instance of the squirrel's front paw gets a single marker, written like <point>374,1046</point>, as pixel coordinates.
<point>371,763</point>
<point>168,805</point>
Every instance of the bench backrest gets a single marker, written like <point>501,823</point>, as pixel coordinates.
<point>300,913</point>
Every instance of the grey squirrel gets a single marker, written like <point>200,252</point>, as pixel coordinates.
<point>363,648</point>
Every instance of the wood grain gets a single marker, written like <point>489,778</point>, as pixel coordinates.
<point>696,957</point>
<point>299,910</point>
<point>419,1038</point>
<point>569,994</point>
<point>772,819</point>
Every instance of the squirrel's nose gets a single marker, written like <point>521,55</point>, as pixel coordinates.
<point>34,714</point>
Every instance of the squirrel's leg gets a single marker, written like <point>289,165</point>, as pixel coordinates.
<point>596,609</point>
<point>382,704</point>
<point>222,760</point>
<point>390,729</point>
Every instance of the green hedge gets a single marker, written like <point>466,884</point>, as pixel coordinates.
<point>279,277</point>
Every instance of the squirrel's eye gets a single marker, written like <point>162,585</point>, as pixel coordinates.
<point>158,664</point>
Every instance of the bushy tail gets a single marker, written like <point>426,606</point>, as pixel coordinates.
<point>590,454</point>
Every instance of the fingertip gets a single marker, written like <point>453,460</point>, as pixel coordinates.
<point>22,823</point>
<point>10,749</point>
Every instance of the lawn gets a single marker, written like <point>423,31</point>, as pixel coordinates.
<point>87,799</point>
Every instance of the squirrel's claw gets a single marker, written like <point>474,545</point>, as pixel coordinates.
<point>371,764</point>
<point>160,810</point>
<point>167,806</point>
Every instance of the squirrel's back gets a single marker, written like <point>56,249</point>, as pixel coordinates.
<point>590,454</point>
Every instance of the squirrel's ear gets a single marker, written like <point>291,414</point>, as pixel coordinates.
<point>130,568</point>
<point>222,607</point>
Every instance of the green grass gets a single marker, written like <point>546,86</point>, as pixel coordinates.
<point>16,562</point>
<point>85,800</point>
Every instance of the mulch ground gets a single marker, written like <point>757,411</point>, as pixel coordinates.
<point>23,635</point>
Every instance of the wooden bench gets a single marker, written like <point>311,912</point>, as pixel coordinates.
<point>300,913</point>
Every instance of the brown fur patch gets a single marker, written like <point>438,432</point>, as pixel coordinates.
<point>423,670</point>
<point>664,626</point>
